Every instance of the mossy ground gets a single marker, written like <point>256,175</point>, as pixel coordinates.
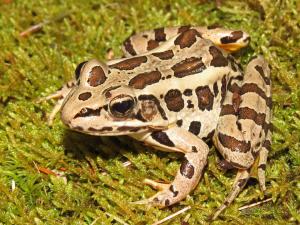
<point>99,188</point>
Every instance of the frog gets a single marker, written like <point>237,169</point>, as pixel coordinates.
<point>176,89</point>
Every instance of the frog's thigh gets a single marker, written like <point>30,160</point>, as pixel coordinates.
<point>244,122</point>
<point>140,43</point>
<point>186,179</point>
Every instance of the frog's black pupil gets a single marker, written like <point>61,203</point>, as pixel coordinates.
<point>78,69</point>
<point>122,107</point>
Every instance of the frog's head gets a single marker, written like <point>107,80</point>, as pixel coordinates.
<point>102,103</point>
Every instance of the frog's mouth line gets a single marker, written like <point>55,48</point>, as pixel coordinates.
<point>115,131</point>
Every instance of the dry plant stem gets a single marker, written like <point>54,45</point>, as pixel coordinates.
<point>255,204</point>
<point>37,27</point>
<point>172,215</point>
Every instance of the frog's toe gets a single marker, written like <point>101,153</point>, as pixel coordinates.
<point>156,185</point>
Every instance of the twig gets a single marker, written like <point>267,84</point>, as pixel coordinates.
<point>172,215</point>
<point>37,27</point>
<point>255,204</point>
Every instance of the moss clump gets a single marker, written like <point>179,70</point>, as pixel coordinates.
<point>98,186</point>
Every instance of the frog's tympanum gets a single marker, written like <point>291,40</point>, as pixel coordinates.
<point>175,89</point>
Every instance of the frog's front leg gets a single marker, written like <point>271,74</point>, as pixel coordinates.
<point>187,177</point>
<point>60,94</point>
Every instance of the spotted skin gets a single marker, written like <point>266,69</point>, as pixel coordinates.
<point>176,89</point>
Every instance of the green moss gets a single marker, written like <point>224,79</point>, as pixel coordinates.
<point>98,186</point>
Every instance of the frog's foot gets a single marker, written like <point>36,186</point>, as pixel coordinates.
<point>61,94</point>
<point>239,183</point>
<point>162,198</point>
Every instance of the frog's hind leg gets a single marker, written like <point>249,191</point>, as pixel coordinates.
<point>188,176</point>
<point>244,131</point>
<point>140,43</point>
<point>240,181</point>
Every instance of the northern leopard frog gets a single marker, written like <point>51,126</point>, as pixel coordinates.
<point>176,88</point>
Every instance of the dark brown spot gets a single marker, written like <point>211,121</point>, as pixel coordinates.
<point>179,123</point>
<point>236,100</point>
<point>195,127</point>
<point>187,38</point>
<point>188,66</point>
<point>164,55</point>
<point>239,125</point>
<point>232,63</point>
<point>100,129</point>
<point>261,72</point>
<point>140,117</point>
<point>96,77</point>
<point>223,89</point>
<point>174,100</point>
<point>190,105</point>
<point>194,149</point>
<point>78,70</point>
<point>159,34</point>
<point>162,138</point>
<point>225,165</point>
<point>152,44</point>
<point>172,189</point>
<point>205,98</point>
<point>168,76</point>
<point>251,114</point>
<point>141,80</point>
<point>232,38</point>
<point>85,112</point>
<point>156,101</point>
<point>183,28</point>
<point>233,144</point>
<point>130,129</point>
<point>84,96</point>
<point>216,89</point>
<point>129,47</point>
<point>167,202</point>
<point>188,92</point>
<point>218,58</point>
<point>130,64</point>
<point>227,110</point>
<point>78,128</point>
<point>262,166</point>
<point>242,182</point>
<point>209,136</point>
<point>233,87</point>
<point>187,169</point>
<point>267,145</point>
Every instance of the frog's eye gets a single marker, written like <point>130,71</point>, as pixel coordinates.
<point>121,106</point>
<point>78,69</point>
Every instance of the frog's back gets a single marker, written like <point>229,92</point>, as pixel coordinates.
<point>188,80</point>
